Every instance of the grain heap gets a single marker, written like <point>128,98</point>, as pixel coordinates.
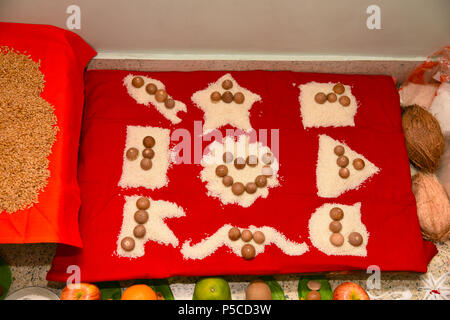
<point>239,171</point>
<point>148,91</point>
<point>145,158</point>
<point>243,242</point>
<point>334,173</point>
<point>144,220</point>
<point>27,131</point>
<point>225,102</point>
<point>337,229</point>
<point>327,105</point>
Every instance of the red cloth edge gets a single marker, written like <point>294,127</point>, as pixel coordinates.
<point>82,53</point>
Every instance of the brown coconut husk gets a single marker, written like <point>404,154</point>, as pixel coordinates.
<point>424,139</point>
<point>433,207</point>
<point>443,172</point>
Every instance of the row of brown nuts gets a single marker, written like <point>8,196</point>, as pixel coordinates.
<point>141,217</point>
<point>336,238</point>
<point>227,96</point>
<point>148,153</point>
<point>238,188</point>
<point>343,161</point>
<point>339,89</point>
<point>160,94</point>
<point>248,250</point>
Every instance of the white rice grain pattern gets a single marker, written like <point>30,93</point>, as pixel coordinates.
<point>157,230</point>
<point>327,114</point>
<point>220,113</point>
<point>142,97</point>
<point>329,183</point>
<point>133,176</point>
<point>240,148</point>
<point>210,244</point>
<point>319,232</point>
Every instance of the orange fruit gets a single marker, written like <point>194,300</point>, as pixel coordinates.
<point>139,292</point>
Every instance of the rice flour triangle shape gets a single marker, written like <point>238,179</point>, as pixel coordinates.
<point>329,183</point>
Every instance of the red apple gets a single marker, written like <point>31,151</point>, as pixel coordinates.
<point>350,291</point>
<point>81,291</point>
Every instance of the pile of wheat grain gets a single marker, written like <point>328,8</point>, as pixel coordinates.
<point>27,131</point>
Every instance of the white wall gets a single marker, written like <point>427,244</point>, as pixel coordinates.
<point>278,29</point>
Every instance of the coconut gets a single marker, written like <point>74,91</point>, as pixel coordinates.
<point>424,139</point>
<point>433,207</point>
<point>443,172</point>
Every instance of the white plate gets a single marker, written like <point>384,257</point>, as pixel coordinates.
<point>32,293</point>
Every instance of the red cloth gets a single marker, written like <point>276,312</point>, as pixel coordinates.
<point>388,205</point>
<point>63,56</point>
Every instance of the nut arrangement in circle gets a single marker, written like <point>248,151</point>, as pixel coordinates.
<point>238,188</point>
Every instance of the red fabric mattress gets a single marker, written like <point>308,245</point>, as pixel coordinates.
<point>388,204</point>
